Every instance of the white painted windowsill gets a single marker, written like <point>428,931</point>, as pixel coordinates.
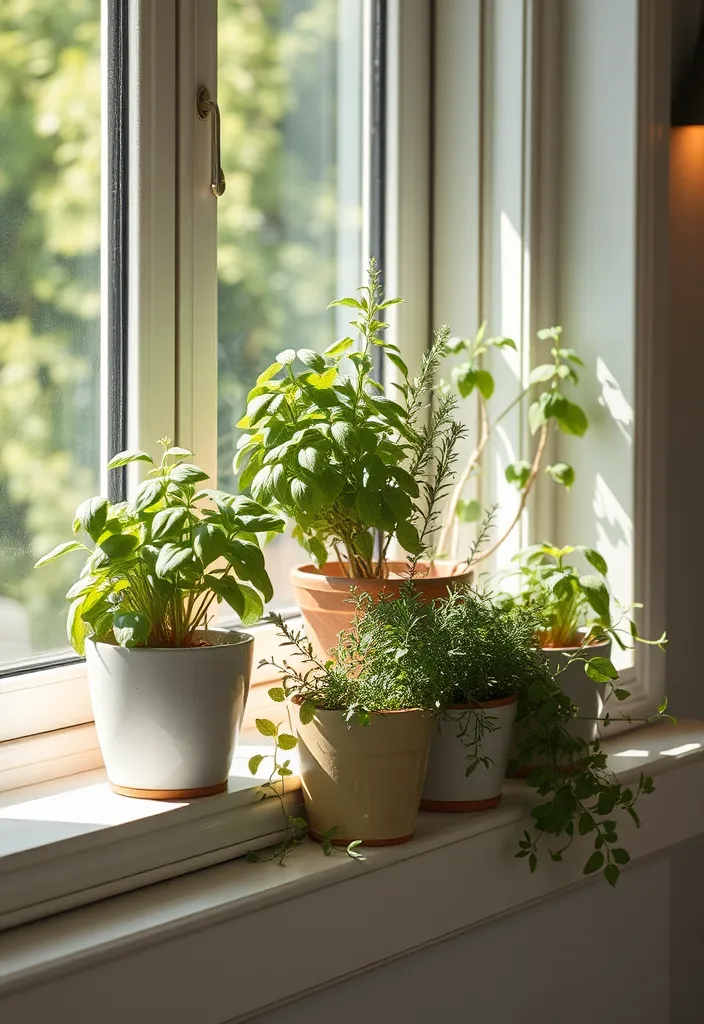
<point>202,949</point>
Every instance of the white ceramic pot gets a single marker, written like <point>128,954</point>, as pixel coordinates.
<point>587,695</point>
<point>364,780</point>
<point>167,718</point>
<point>447,785</point>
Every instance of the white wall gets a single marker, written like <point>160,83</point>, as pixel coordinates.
<point>592,955</point>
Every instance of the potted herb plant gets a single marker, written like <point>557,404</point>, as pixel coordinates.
<point>484,653</point>
<point>364,725</point>
<point>168,690</point>
<point>577,628</point>
<point>353,469</point>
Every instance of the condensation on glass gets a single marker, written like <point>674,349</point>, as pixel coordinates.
<point>49,307</point>
<point>290,84</point>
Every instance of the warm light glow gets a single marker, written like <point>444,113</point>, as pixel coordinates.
<point>91,805</point>
<point>633,753</point>
<point>686,748</point>
<point>687,157</point>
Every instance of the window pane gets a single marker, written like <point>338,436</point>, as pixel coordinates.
<point>49,306</point>
<point>289,223</point>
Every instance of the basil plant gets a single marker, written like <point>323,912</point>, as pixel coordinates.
<point>575,609</point>
<point>346,463</point>
<point>159,562</point>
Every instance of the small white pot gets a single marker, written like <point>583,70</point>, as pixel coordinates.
<point>587,695</point>
<point>167,718</point>
<point>447,785</point>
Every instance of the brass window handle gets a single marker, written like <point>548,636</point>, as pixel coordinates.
<point>205,105</point>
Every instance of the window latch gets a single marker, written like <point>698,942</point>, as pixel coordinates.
<point>206,105</point>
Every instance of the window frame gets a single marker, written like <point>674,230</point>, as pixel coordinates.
<point>172,389</point>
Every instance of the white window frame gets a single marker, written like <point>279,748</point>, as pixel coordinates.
<point>45,720</point>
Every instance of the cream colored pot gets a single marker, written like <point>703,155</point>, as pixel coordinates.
<point>587,695</point>
<point>364,780</point>
<point>447,785</point>
<point>167,718</point>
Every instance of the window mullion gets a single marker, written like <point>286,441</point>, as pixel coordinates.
<point>151,373</point>
<point>196,239</point>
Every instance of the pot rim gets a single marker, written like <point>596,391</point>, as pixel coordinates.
<point>298,700</point>
<point>310,576</point>
<point>498,702</point>
<point>595,645</point>
<point>239,639</point>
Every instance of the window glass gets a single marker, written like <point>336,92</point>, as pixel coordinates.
<point>49,306</point>
<point>289,224</point>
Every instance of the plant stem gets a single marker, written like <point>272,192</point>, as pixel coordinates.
<point>535,468</point>
<point>451,516</point>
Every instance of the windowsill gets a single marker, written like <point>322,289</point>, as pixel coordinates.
<point>346,915</point>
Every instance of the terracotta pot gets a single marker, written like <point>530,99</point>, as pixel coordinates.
<point>365,780</point>
<point>447,786</point>
<point>167,718</point>
<point>323,595</point>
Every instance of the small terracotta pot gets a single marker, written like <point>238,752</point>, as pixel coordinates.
<point>365,780</point>
<point>323,595</point>
<point>447,786</point>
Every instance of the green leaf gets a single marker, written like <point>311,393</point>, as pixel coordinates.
<point>123,458</point>
<point>611,874</point>
<point>562,473</point>
<point>595,560</point>
<point>586,823</point>
<point>306,712</point>
<point>277,694</point>
<point>351,849</point>
<point>312,359</point>
<point>597,595</point>
<point>320,381</point>
<point>572,419</point>
<point>209,543</point>
<point>254,763</point>
<point>169,522</point>
<point>299,823</point>
<point>286,357</point>
<point>502,342</point>
<point>368,505</point>
<point>344,435</point>
<point>349,301</point>
<point>131,629</point>
<point>172,557</point>
<point>286,741</point>
<point>405,481</point>
<point>58,551</point>
<point>620,856</point>
<point>469,511</point>
<point>620,694</point>
<point>176,452</point>
<point>364,544</point>
<point>148,494</point>
<point>242,599</point>
<point>407,536</point>
<point>92,515</point>
<point>75,627</point>
<point>517,473</point>
<point>119,545</point>
<point>265,727</point>
<point>398,363</point>
<point>485,383</point>
<point>549,333</point>
<point>187,474</point>
<point>270,372</point>
<point>311,459</point>
<point>542,373</point>
<point>339,348</point>
<point>601,670</point>
<point>595,863</point>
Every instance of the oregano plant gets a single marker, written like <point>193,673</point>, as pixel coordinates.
<point>156,564</point>
<point>352,468</point>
